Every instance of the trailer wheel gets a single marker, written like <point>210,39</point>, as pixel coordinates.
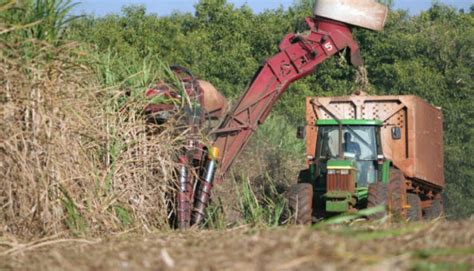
<point>377,195</point>
<point>414,212</point>
<point>300,197</point>
<point>397,194</point>
<point>436,209</point>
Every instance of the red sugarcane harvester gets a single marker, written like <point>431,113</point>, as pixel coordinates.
<point>348,178</point>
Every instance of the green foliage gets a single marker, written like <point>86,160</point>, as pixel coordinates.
<point>386,2</point>
<point>40,19</point>
<point>73,217</point>
<point>370,235</point>
<point>428,259</point>
<point>215,218</point>
<point>264,209</point>
<point>123,216</point>
<point>279,152</point>
<point>346,218</point>
<point>220,43</point>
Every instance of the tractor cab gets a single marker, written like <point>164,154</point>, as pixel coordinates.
<point>360,147</point>
<point>348,158</point>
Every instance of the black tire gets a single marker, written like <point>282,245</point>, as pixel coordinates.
<point>436,209</point>
<point>377,196</point>
<point>300,197</point>
<point>397,194</point>
<point>414,212</point>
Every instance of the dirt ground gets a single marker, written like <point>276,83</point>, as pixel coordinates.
<point>428,246</point>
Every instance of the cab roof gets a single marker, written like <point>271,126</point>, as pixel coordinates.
<point>330,122</point>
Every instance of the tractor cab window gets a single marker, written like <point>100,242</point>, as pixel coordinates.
<point>358,143</point>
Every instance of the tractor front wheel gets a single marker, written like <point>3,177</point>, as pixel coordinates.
<point>300,197</point>
<point>377,196</point>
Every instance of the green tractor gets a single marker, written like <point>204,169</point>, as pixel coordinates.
<point>376,159</point>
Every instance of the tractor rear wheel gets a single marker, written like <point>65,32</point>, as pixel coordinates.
<point>397,189</point>
<point>300,197</point>
<point>377,196</point>
<point>435,210</point>
<point>414,212</point>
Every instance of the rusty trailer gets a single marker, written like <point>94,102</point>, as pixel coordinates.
<point>411,134</point>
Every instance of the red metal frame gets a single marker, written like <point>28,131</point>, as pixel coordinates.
<point>299,55</point>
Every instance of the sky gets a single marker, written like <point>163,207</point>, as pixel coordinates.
<point>165,7</point>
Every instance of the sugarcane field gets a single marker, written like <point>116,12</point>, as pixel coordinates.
<point>237,135</point>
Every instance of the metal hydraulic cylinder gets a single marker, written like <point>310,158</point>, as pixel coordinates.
<point>203,194</point>
<point>184,195</point>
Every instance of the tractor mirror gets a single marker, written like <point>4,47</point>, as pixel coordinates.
<point>396,133</point>
<point>301,132</point>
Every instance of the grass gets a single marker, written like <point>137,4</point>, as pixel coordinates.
<point>123,215</point>
<point>77,154</point>
<point>38,19</point>
<point>265,209</point>
<point>268,210</point>
<point>250,248</point>
<point>376,230</point>
<point>430,266</point>
<point>439,252</point>
<point>432,259</point>
<point>74,219</point>
<point>216,219</point>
